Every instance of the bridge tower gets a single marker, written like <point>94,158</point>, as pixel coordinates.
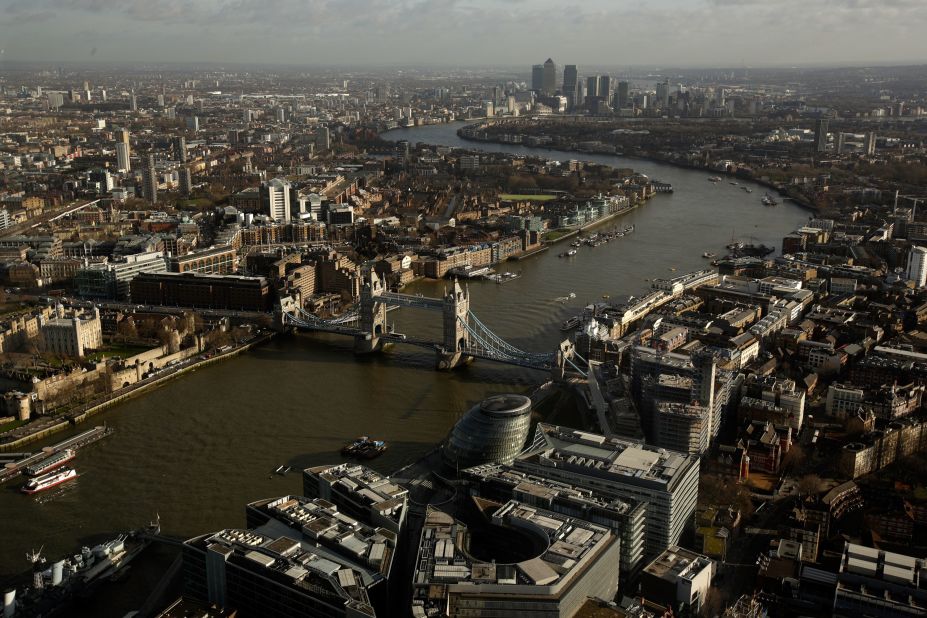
<point>372,314</point>
<point>456,314</point>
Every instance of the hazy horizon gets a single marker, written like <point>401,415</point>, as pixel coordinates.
<point>468,33</point>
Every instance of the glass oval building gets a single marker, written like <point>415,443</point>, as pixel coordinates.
<point>494,431</point>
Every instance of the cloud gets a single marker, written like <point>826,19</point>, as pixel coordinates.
<point>513,32</point>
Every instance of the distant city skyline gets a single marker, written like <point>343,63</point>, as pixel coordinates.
<point>678,33</point>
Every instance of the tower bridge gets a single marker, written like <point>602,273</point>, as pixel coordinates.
<point>464,336</point>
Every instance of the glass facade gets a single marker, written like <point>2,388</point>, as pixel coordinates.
<point>492,432</point>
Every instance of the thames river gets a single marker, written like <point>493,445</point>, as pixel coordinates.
<point>198,449</point>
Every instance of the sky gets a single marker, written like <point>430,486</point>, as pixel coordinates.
<point>676,33</point>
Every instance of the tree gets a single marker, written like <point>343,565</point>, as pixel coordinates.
<point>810,484</point>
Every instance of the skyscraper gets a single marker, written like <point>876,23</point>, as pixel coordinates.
<point>122,157</point>
<point>133,102</point>
<point>550,77</point>
<point>537,77</point>
<point>623,95</point>
<point>275,197</point>
<point>150,181</point>
<point>605,88</point>
<point>592,86</point>
<point>820,134</point>
<point>917,266</point>
<point>570,83</point>
<point>663,94</point>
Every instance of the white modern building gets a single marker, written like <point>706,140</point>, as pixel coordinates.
<point>917,266</point>
<point>275,196</point>
<point>666,481</point>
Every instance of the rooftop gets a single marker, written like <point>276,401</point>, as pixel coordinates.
<point>616,459</point>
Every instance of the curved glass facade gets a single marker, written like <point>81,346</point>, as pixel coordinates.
<point>492,432</point>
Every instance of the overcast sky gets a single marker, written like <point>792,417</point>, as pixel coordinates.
<point>467,32</point>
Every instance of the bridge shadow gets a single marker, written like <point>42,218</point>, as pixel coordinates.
<point>313,347</point>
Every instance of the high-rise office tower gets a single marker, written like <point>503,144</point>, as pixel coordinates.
<point>870,143</point>
<point>537,77</point>
<point>570,81</point>
<point>605,88</point>
<point>133,102</point>
<point>122,136</point>
<point>123,154</point>
<point>275,198</point>
<point>917,266</point>
<point>193,123</point>
<point>624,94</point>
<point>663,94</point>
<point>820,134</point>
<point>592,86</point>
<point>550,77</point>
<point>150,180</point>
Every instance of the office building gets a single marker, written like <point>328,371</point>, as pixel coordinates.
<point>537,78</point>
<point>592,86</point>
<point>360,492</point>
<point>221,260</point>
<point>869,146</point>
<point>133,102</point>
<point>665,481</point>
<point>150,180</point>
<point>663,95</point>
<point>605,89</point>
<point>872,582</point>
<point>624,516</point>
<point>917,266</point>
<point>623,99</point>
<point>228,292</point>
<point>193,123</point>
<point>123,163</point>
<point>275,199</point>
<point>549,86</point>
<point>493,431</point>
<point>72,335</point>
<point>678,578</point>
<point>571,561</point>
<point>334,535</point>
<point>820,134</point>
<point>109,280</point>
<point>571,84</point>
<point>271,575</point>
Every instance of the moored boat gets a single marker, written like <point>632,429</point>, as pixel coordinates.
<point>47,481</point>
<point>50,463</point>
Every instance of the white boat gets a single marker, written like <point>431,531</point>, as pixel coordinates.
<point>47,481</point>
<point>50,463</point>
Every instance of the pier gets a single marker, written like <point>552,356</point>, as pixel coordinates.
<point>13,469</point>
